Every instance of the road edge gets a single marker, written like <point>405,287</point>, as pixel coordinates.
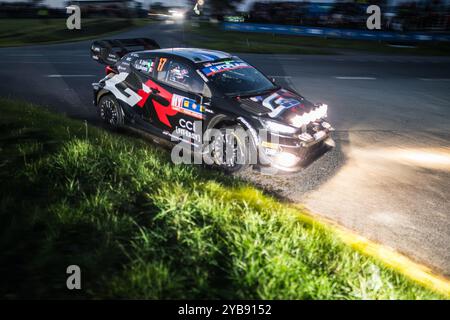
<point>387,255</point>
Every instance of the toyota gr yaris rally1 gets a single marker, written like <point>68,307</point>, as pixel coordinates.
<point>172,92</point>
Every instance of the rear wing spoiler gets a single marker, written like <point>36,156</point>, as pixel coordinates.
<point>110,51</point>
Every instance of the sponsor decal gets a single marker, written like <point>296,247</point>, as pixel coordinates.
<point>212,69</point>
<point>175,103</point>
<point>112,57</point>
<point>187,129</point>
<point>140,98</point>
<point>180,138</point>
<point>271,145</point>
<point>187,106</point>
<point>162,111</point>
<point>128,96</point>
<point>189,125</point>
<point>162,63</point>
<point>144,65</point>
<point>279,102</point>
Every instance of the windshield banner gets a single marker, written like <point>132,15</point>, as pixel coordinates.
<point>211,69</point>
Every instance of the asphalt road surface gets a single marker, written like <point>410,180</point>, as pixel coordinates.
<point>389,176</point>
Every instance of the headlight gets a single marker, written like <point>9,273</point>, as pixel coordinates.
<point>325,109</point>
<point>286,159</point>
<point>278,127</point>
<point>315,114</point>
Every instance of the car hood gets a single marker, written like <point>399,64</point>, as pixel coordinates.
<point>281,105</point>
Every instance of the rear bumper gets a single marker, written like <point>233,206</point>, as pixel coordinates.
<point>95,90</point>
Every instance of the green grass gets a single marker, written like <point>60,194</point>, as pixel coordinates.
<point>16,32</point>
<point>141,227</point>
<point>213,37</point>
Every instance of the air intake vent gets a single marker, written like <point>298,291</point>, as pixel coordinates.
<point>254,107</point>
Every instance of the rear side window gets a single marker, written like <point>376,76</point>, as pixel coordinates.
<point>123,65</point>
<point>144,66</point>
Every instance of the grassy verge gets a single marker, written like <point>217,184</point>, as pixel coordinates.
<point>141,227</point>
<point>16,32</point>
<point>213,37</point>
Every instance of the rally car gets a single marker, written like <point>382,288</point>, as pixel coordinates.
<point>171,93</point>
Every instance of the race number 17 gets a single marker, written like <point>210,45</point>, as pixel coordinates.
<point>162,62</point>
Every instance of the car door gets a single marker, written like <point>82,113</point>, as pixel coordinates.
<point>179,83</point>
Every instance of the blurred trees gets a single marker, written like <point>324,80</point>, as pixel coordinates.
<point>219,6</point>
<point>36,2</point>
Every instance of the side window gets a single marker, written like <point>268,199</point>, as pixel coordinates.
<point>145,66</point>
<point>179,75</point>
<point>123,65</point>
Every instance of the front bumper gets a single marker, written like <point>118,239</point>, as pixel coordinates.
<point>292,153</point>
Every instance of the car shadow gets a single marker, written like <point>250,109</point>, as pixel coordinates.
<point>287,187</point>
<point>293,187</point>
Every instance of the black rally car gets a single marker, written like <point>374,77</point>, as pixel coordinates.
<point>164,91</point>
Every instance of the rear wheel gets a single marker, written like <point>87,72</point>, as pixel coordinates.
<point>111,112</point>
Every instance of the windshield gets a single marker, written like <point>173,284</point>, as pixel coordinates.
<point>235,77</point>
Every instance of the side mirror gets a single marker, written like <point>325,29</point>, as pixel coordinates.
<point>272,79</point>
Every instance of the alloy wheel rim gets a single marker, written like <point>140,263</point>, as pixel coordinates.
<point>109,112</point>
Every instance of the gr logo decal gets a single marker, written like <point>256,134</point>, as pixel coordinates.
<point>163,111</point>
<point>279,102</point>
<point>130,98</point>
<point>140,98</point>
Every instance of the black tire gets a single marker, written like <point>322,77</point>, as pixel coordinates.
<point>111,112</point>
<point>229,163</point>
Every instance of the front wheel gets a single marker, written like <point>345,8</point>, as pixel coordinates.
<point>111,112</point>
<point>230,150</point>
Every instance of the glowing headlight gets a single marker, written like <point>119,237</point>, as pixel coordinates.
<point>299,121</point>
<point>318,113</point>
<point>278,127</point>
<point>325,109</point>
<point>286,159</point>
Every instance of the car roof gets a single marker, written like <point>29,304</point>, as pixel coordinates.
<point>195,55</point>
